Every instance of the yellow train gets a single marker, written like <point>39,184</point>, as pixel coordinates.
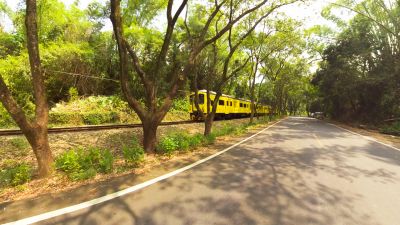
<point>228,106</point>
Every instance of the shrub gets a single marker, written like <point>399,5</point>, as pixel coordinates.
<point>226,129</point>
<point>73,94</point>
<point>133,154</point>
<point>179,141</point>
<point>69,161</point>
<point>240,129</point>
<point>81,164</point>
<point>5,118</point>
<point>393,129</point>
<point>196,140</point>
<point>65,118</point>
<point>95,118</point>
<point>182,140</point>
<point>210,139</point>
<point>92,110</point>
<point>181,105</point>
<point>16,174</point>
<point>167,145</point>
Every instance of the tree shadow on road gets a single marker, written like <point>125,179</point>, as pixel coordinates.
<point>264,181</point>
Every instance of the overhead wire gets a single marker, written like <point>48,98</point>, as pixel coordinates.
<point>82,75</point>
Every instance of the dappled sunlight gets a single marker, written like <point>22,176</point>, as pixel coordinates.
<point>271,179</point>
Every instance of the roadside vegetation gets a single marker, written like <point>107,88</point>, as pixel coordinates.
<point>78,165</point>
<point>358,78</point>
<point>59,66</point>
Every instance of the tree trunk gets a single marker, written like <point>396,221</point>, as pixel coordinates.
<point>208,123</point>
<point>40,146</point>
<point>150,135</point>
<point>252,111</point>
<point>34,130</point>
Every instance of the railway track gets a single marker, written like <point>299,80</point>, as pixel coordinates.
<point>8,132</point>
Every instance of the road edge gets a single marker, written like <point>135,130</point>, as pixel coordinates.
<point>365,137</point>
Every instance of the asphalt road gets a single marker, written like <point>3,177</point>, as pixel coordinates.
<point>301,171</point>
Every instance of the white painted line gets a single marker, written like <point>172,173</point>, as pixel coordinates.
<point>83,205</point>
<point>365,137</point>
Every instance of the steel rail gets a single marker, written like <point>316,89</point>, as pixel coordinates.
<point>9,132</point>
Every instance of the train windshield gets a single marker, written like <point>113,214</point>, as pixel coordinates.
<point>201,99</point>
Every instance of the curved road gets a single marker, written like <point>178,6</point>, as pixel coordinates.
<point>301,171</point>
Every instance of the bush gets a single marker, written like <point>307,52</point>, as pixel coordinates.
<point>179,141</point>
<point>92,110</point>
<point>167,145</point>
<point>182,140</point>
<point>196,140</point>
<point>16,174</point>
<point>80,164</point>
<point>65,118</point>
<point>96,118</point>
<point>393,129</point>
<point>181,105</point>
<point>210,139</point>
<point>5,118</point>
<point>226,129</point>
<point>133,154</point>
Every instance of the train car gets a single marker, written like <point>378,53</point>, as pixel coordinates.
<point>228,106</point>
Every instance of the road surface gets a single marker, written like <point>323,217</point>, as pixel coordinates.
<point>300,171</point>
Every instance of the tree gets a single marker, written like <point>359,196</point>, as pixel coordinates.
<point>234,39</point>
<point>35,130</point>
<point>358,78</point>
<point>156,69</point>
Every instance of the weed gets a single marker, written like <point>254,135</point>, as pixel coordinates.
<point>196,140</point>
<point>80,164</point>
<point>167,145</point>
<point>15,175</point>
<point>133,154</point>
<point>210,139</point>
<point>19,143</point>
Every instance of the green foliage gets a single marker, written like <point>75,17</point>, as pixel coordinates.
<point>96,118</point>
<point>19,143</point>
<point>5,118</point>
<point>92,110</point>
<point>231,129</point>
<point>133,154</point>
<point>210,139</point>
<point>15,174</point>
<point>181,105</point>
<point>358,77</point>
<point>196,140</point>
<point>393,129</point>
<point>167,145</point>
<point>80,164</point>
<point>73,94</point>
<point>179,141</point>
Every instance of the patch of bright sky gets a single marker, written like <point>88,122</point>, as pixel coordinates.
<point>308,12</point>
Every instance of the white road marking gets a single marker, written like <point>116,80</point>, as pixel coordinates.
<point>83,205</point>
<point>365,137</point>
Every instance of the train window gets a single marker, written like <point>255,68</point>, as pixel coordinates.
<point>231,103</point>
<point>221,102</point>
<point>241,105</point>
<point>201,98</point>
